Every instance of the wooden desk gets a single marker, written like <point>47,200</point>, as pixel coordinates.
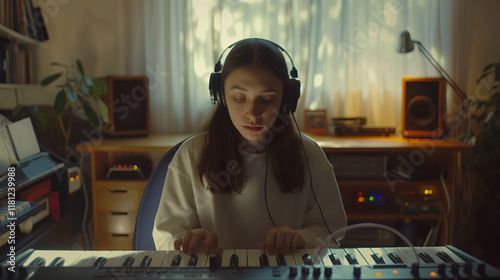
<point>115,202</point>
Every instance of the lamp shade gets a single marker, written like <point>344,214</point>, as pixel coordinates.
<point>405,42</point>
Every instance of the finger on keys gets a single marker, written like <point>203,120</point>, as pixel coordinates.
<point>196,241</point>
<point>297,241</point>
<point>211,242</point>
<point>287,243</point>
<point>271,241</point>
<point>186,241</point>
<point>280,245</point>
<point>178,244</point>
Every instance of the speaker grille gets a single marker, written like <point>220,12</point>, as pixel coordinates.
<point>128,102</point>
<point>423,107</point>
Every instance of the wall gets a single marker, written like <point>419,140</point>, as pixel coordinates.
<point>485,40</point>
<point>87,30</point>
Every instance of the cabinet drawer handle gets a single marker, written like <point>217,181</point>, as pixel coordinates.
<point>117,191</point>
<point>119,213</point>
<point>119,235</point>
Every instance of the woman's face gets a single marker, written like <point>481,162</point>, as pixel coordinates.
<point>253,97</point>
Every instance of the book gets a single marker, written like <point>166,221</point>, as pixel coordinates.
<point>19,140</point>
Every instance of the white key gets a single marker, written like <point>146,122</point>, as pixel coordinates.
<point>225,258</point>
<point>242,257</point>
<point>368,254</point>
<point>118,258</point>
<point>340,254</point>
<point>169,256</point>
<point>88,258</point>
<point>156,258</point>
<point>254,257</point>
<point>400,254</point>
<point>297,256</point>
<point>355,254</point>
<point>316,255</point>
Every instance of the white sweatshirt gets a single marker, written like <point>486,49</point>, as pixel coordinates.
<point>241,221</point>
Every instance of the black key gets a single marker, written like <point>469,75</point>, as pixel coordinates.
<point>377,258</point>
<point>233,261</point>
<point>128,262</point>
<point>395,258</point>
<point>193,260</point>
<point>215,261</point>
<point>307,259</point>
<point>100,261</point>
<point>445,257</point>
<point>264,261</point>
<point>38,261</point>
<point>334,258</point>
<point>146,261</point>
<point>58,261</point>
<point>280,259</point>
<point>176,260</point>
<point>351,259</point>
<point>426,257</point>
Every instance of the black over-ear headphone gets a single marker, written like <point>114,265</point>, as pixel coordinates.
<point>290,95</point>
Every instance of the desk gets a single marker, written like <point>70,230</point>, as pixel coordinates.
<point>115,202</point>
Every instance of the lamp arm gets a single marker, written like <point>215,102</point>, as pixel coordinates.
<point>441,71</point>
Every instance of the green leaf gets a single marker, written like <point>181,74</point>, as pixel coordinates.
<point>91,115</point>
<point>60,102</point>
<point>50,79</point>
<point>99,88</point>
<point>83,86</point>
<point>80,67</point>
<point>71,94</point>
<point>103,110</point>
<point>42,120</point>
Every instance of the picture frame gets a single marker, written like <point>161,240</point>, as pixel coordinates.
<point>315,122</point>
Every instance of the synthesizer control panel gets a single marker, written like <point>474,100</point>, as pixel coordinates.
<point>443,262</point>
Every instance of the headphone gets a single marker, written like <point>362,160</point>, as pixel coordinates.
<point>290,95</point>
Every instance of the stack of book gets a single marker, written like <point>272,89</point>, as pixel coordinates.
<point>356,127</point>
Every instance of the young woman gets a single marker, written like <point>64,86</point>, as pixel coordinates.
<point>249,180</point>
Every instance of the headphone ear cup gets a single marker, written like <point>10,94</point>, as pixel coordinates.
<point>213,86</point>
<point>293,96</point>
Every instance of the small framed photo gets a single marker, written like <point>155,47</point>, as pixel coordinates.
<point>315,122</point>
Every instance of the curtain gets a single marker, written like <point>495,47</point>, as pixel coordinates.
<point>345,52</point>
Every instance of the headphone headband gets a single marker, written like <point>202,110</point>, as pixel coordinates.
<point>290,100</point>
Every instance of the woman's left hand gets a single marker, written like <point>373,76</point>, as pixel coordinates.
<point>282,240</point>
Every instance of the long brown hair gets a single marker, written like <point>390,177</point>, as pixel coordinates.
<point>220,162</point>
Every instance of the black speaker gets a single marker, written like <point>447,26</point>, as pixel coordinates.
<point>128,105</point>
<point>423,107</point>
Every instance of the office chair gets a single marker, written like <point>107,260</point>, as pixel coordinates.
<point>143,232</point>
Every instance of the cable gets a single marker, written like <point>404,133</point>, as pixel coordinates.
<point>368,225</point>
<point>84,187</point>
<point>310,180</point>
<point>265,193</point>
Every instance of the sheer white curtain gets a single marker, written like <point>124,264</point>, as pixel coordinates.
<point>345,52</point>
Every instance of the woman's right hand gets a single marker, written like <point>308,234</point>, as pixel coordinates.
<point>202,239</point>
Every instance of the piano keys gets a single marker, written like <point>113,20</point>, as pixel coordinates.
<point>245,257</point>
<point>442,262</point>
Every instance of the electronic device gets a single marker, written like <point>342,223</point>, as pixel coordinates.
<point>74,179</point>
<point>128,105</point>
<point>442,262</point>
<point>364,131</point>
<point>124,172</point>
<point>290,98</point>
<point>359,167</point>
<point>423,107</point>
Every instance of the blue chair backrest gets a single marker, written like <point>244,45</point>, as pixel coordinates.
<point>143,233</point>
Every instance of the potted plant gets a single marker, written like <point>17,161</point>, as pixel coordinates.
<point>483,227</point>
<point>78,95</point>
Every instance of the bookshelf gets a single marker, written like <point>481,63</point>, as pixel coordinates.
<point>22,30</point>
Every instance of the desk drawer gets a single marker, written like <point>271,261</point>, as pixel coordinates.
<point>108,241</point>
<point>120,200</point>
<point>116,222</point>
